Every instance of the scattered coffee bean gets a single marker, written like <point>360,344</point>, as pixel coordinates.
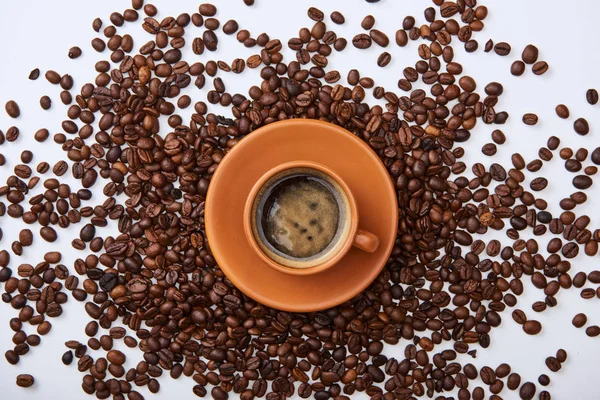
<point>592,331</point>
<point>579,320</point>
<point>45,102</point>
<point>517,68</point>
<point>25,380</point>
<point>532,327</point>
<point>591,96</point>
<point>540,67</point>
<point>581,126</point>
<point>338,18</point>
<point>530,119</point>
<point>562,111</point>
<point>159,271</point>
<point>12,109</point>
<point>67,357</point>
<point>527,391</point>
<point>34,74</point>
<point>553,364</point>
<point>530,54</point>
<point>74,52</point>
<point>502,48</point>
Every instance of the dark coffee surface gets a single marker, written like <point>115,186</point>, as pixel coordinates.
<point>300,216</point>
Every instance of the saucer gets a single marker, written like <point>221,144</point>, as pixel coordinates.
<point>277,143</point>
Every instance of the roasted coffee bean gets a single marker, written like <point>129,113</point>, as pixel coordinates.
<point>517,68</point>
<point>74,52</point>
<point>67,357</point>
<point>562,111</point>
<point>337,18</point>
<point>527,391</point>
<point>561,355</point>
<point>540,68</point>
<point>12,134</point>
<point>384,59</point>
<point>25,380</point>
<point>45,102</point>
<point>582,182</point>
<point>514,381</point>
<point>34,74</point>
<point>12,109</point>
<point>532,327</point>
<point>544,380</point>
<point>530,54</point>
<point>362,41</point>
<point>489,45</point>
<point>553,364</point>
<point>591,96</point>
<point>519,317</point>
<point>581,126</point>
<point>401,38</point>
<point>502,48</point>
<point>48,234</point>
<point>530,119</point>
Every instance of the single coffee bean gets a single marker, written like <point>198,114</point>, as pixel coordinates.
<point>12,134</point>
<point>517,68</point>
<point>592,331</point>
<point>544,380</point>
<point>67,357</point>
<point>45,102</point>
<point>532,327</point>
<point>116,357</point>
<point>540,67</point>
<point>384,59</point>
<point>562,111</point>
<point>581,126</point>
<point>527,391</point>
<point>489,45</point>
<point>513,381</point>
<point>519,317</point>
<point>579,320</point>
<point>591,96</point>
<point>230,27</point>
<point>368,22</point>
<point>553,364</point>
<point>48,234</point>
<point>207,10</point>
<point>315,14</point>
<point>74,52</point>
<point>582,182</point>
<point>530,119</point>
<point>401,38</point>
<point>545,395</point>
<point>34,74</point>
<point>362,41</point>
<point>12,109</point>
<point>530,54</point>
<point>379,37</point>
<point>25,380</point>
<point>337,18</point>
<point>561,355</point>
<point>502,48</point>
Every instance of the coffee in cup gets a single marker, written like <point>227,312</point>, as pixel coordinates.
<point>300,216</point>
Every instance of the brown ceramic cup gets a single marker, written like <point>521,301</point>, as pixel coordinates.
<point>348,233</point>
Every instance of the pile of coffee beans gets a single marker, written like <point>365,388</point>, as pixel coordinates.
<point>156,285</point>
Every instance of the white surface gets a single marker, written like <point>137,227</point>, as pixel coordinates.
<point>39,34</point>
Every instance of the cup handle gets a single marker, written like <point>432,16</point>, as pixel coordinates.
<point>366,241</point>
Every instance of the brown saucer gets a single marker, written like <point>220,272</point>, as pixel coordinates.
<point>278,143</point>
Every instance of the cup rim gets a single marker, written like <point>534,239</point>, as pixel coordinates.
<point>347,240</point>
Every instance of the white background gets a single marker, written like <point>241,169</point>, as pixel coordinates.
<point>39,34</point>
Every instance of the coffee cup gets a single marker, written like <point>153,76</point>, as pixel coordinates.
<point>301,218</point>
